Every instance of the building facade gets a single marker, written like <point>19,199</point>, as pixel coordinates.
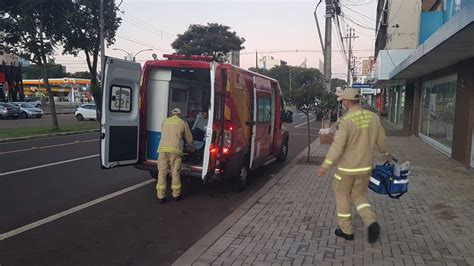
<point>431,91</point>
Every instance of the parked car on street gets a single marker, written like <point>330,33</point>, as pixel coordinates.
<point>28,110</point>
<point>9,110</point>
<point>86,111</point>
<point>35,102</point>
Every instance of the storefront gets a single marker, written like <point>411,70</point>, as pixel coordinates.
<point>396,104</point>
<point>438,104</point>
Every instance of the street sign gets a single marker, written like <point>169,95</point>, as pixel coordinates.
<point>361,86</point>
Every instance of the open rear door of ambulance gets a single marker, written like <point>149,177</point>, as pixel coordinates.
<point>211,149</point>
<point>120,115</point>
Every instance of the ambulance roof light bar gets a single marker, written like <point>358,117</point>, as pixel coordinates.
<point>206,58</point>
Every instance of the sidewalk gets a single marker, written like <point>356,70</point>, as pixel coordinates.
<point>291,220</point>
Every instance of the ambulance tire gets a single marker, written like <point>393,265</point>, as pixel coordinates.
<point>284,152</point>
<point>153,174</point>
<point>240,181</point>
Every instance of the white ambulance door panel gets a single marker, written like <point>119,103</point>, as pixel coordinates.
<point>254,125</point>
<point>206,165</point>
<point>120,115</point>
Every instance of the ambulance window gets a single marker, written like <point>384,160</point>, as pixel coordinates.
<point>120,99</point>
<point>264,112</point>
<point>218,107</point>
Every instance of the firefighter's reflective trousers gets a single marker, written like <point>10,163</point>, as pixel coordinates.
<point>168,162</point>
<point>350,187</point>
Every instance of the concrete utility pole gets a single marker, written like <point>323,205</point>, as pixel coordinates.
<point>327,46</point>
<point>350,36</point>
<point>256,59</point>
<point>102,42</point>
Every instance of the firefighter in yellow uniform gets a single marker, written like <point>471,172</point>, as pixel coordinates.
<point>352,153</point>
<point>173,130</point>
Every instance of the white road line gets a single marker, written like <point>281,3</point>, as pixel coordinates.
<point>314,119</point>
<point>51,218</point>
<point>47,165</point>
<point>49,146</point>
<point>56,137</point>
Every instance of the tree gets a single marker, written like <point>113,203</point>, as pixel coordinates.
<point>304,98</point>
<point>80,75</point>
<point>337,83</point>
<point>213,39</point>
<point>36,71</point>
<point>32,30</point>
<point>82,35</point>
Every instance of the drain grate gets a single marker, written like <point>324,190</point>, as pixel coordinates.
<point>313,160</point>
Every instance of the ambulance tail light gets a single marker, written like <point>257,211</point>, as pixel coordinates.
<point>227,138</point>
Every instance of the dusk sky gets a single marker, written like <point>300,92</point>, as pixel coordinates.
<point>267,25</point>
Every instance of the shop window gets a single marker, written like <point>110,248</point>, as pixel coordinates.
<point>437,115</point>
<point>264,112</point>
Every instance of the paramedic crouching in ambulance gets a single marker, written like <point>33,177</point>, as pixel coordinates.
<point>173,130</point>
<point>352,153</point>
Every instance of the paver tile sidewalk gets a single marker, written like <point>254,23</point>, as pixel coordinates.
<point>293,222</point>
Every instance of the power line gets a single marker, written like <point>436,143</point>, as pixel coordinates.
<point>149,25</point>
<point>298,51</point>
<point>149,29</point>
<point>357,12</point>
<point>143,43</point>
<point>358,23</point>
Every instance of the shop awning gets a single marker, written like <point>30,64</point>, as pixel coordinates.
<point>451,44</point>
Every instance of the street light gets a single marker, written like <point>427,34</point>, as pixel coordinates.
<point>130,55</point>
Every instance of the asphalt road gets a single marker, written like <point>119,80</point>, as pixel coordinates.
<point>43,178</point>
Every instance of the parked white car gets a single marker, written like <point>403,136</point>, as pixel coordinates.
<point>28,110</point>
<point>35,103</point>
<point>86,111</point>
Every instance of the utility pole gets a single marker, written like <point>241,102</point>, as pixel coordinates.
<point>102,42</point>
<point>289,67</point>
<point>256,59</point>
<point>327,46</point>
<point>350,36</point>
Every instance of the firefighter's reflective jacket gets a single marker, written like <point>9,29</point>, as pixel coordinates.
<point>353,147</point>
<point>173,130</point>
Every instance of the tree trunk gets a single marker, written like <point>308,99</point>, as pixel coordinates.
<point>44,67</point>
<point>309,135</point>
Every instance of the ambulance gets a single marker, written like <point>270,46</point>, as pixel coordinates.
<point>245,125</point>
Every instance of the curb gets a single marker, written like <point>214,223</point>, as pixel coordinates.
<point>194,252</point>
<point>48,135</point>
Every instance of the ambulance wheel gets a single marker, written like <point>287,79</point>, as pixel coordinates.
<point>283,152</point>
<point>153,174</point>
<point>241,180</point>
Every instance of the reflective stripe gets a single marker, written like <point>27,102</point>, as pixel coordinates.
<point>385,154</point>
<point>170,149</point>
<point>172,120</point>
<point>175,187</point>
<point>354,170</point>
<point>161,187</point>
<point>375,181</point>
<point>337,177</point>
<point>360,207</point>
<point>328,162</point>
<point>403,181</point>
<point>344,215</point>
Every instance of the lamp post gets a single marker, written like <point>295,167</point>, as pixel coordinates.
<point>130,55</point>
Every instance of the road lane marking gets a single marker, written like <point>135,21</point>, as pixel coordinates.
<point>49,146</point>
<point>51,218</point>
<point>47,165</point>
<point>54,137</point>
<point>314,119</point>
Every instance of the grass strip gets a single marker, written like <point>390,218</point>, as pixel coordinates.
<point>35,131</point>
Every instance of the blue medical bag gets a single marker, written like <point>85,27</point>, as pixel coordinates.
<point>385,181</point>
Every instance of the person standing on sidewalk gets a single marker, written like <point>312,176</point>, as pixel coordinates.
<point>352,151</point>
<point>173,130</point>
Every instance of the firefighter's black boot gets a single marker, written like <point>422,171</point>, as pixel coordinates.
<point>374,232</point>
<point>339,233</point>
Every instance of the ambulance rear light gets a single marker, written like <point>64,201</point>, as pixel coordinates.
<point>227,138</point>
<point>205,58</point>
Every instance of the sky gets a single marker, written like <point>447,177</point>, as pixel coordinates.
<point>277,28</point>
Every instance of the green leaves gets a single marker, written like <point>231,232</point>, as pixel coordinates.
<point>212,39</point>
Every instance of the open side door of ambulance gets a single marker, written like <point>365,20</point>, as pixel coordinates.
<point>119,127</point>
<point>211,148</point>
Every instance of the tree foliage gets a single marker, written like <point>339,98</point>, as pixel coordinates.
<point>33,29</point>
<point>36,71</point>
<point>83,34</point>
<point>211,39</point>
